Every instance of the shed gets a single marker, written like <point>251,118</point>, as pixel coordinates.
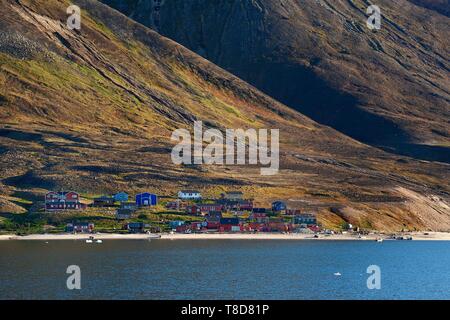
<point>278,206</point>
<point>146,199</point>
<point>121,197</point>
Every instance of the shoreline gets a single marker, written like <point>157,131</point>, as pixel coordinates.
<point>65,236</point>
<point>430,236</point>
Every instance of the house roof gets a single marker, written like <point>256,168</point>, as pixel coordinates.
<point>146,194</point>
<point>62,193</point>
<point>233,221</point>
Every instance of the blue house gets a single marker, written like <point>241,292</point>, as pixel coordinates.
<point>175,224</point>
<point>146,199</point>
<point>121,197</point>
<point>278,206</point>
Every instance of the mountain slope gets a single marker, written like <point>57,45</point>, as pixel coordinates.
<point>319,57</point>
<point>93,111</point>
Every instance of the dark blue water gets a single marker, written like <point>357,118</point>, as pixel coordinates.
<point>216,269</point>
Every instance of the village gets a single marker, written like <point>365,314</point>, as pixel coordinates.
<point>230,212</point>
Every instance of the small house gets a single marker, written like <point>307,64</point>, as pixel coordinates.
<point>213,220</point>
<point>230,225</point>
<point>175,224</point>
<point>80,227</point>
<point>189,195</point>
<point>209,207</point>
<point>278,206</point>
<point>121,197</point>
<point>306,219</point>
<point>146,199</point>
<point>64,200</point>
<point>136,227</point>
<point>259,217</point>
<point>123,214</point>
<point>197,226</point>
<point>176,205</point>
<point>103,201</point>
<point>128,206</point>
<point>236,205</point>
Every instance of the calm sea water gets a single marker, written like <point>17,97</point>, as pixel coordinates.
<point>216,269</point>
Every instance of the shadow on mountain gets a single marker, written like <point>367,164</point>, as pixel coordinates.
<point>29,180</point>
<point>420,151</point>
<point>301,89</point>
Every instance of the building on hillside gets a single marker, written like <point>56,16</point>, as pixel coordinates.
<point>278,206</point>
<point>189,195</point>
<point>103,201</point>
<point>64,200</point>
<point>197,226</point>
<point>233,195</point>
<point>128,206</point>
<point>203,208</point>
<point>175,224</point>
<point>146,199</point>
<point>230,225</point>
<point>259,217</point>
<point>306,219</point>
<point>123,214</point>
<point>80,227</point>
<point>176,205</point>
<point>213,220</point>
<point>121,197</point>
<point>236,205</point>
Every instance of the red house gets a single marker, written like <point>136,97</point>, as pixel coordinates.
<point>64,200</point>
<point>204,208</point>
<point>230,225</point>
<point>197,226</point>
<point>259,217</point>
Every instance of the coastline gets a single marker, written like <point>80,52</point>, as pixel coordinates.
<point>430,236</point>
<point>97,236</point>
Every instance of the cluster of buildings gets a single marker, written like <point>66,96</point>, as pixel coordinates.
<point>213,214</point>
<point>70,200</point>
<point>229,201</point>
<point>259,219</point>
<point>256,222</point>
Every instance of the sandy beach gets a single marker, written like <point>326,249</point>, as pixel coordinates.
<point>99,236</point>
<point>296,236</point>
<point>442,236</point>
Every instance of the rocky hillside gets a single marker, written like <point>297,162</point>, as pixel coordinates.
<point>388,88</point>
<point>93,111</point>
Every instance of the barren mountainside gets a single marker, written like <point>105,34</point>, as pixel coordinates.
<point>93,111</point>
<point>388,88</point>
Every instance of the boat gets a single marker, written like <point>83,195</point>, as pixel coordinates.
<point>99,241</point>
<point>337,274</point>
<point>90,240</point>
<point>379,240</point>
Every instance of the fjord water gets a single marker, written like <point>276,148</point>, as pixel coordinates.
<point>218,269</point>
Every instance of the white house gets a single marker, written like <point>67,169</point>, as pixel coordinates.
<point>189,195</point>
